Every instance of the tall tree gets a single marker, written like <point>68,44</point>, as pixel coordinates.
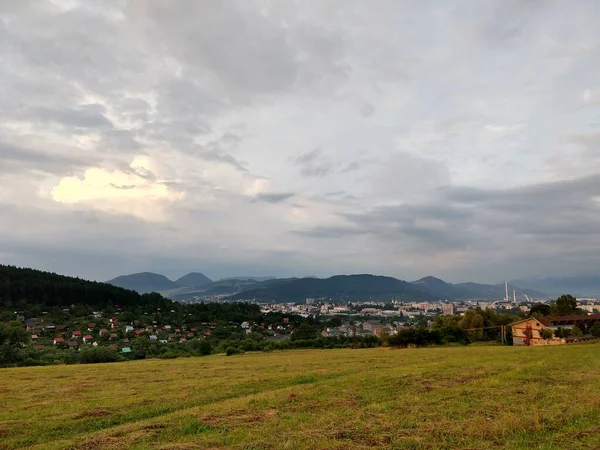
<point>540,309</point>
<point>564,305</point>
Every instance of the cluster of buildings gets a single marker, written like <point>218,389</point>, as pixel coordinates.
<point>366,328</point>
<point>394,309</point>
<point>108,333</point>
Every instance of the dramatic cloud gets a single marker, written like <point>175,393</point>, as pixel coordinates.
<point>290,138</point>
<point>137,192</point>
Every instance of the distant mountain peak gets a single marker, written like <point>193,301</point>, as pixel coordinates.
<point>143,282</point>
<point>430,279</point>
<point>193,279</point>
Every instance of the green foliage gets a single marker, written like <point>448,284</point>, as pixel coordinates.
<point>595,330</point>
<point>416,336</point>
<point>304,332</point>
<point>576,331</point>
<point>540,309</point>
<point>562,332</point>
<point>199,347</point>
<point>547,333</point>
<point>232,351</point>
<point>14,334</point>
<point>564,305</point>
<point>92,355</point>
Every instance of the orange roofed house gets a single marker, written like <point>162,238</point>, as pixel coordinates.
<point>529,331</point>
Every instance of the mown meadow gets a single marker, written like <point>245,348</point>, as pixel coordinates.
<point>475,397</point>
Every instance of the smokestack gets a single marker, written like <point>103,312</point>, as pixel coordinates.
<point>506,288</point>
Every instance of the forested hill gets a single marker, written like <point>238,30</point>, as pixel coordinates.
<point>20,287</point>
<point>339,287</point>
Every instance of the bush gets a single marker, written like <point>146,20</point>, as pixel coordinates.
<point>546,333</point>
<point>232,351</point>
<point>416,336</point>
<point>98,355</point>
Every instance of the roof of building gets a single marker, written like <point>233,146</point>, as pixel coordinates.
<point>549,321</point>
<point>552,321</point>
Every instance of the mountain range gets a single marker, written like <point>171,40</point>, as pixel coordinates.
<point>579,286</point>
<point>363,287</point>
<point>339,287</point>
<point>193,282</point>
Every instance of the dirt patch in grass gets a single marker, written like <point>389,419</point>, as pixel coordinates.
<point>183,447</point>
<point>100,443</point>
<point>91,413</point>
<point>154,426</point>
<point>350,401</point>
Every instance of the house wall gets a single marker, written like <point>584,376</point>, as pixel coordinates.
<point>519,337</point>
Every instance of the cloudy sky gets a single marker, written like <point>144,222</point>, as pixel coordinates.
<point>405,138</point>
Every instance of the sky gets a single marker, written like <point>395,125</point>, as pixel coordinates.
<point>459,139</point>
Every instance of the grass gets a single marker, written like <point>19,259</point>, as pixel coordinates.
<point>436,398</point>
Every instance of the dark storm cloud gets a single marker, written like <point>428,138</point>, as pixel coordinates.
<point>559,220</point>
<point>330,232</point>
<point>272,197</point>
<point>16,158</point>
<point>83,117</point>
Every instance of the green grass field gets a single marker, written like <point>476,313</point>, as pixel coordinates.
<point>434,398</point>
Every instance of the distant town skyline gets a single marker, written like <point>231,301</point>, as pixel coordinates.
<point>457,139</point>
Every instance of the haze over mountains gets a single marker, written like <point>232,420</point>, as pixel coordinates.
<point>144,282</point>
<point>580,286</point>
<point>339,287</point>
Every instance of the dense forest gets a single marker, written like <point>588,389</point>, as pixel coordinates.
<point>21,287</point>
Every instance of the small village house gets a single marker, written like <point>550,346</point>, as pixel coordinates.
<point>531,331</point>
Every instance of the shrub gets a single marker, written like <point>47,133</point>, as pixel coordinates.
<point>546,333</point>
<point>232,351</point>
<point>98,355</point>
